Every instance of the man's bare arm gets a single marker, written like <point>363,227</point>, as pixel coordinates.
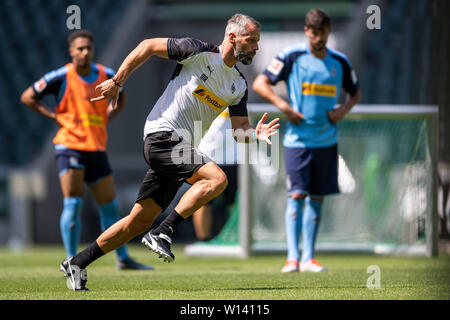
<point>137,57</point>
<point>339,113</point>
<point>109,89</point>
<point>243,131</point>
<point>29,99</point>
<point>113,112</point>
<point>263,87</point>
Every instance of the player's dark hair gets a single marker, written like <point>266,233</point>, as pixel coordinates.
<point>80,34</point>
<point>317,19</point>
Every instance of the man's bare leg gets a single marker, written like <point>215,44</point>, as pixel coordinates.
<point>138,221</point>
<point>207,183</point>
<point>202,220</point>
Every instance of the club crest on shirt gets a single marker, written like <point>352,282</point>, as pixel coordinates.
<point>333,71</point>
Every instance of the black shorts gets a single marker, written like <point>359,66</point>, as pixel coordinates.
<point>171,161</point>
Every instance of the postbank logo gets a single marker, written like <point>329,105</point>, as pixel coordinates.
<point>327,90</point>
<point>92,120</point>
<point>209,98</point>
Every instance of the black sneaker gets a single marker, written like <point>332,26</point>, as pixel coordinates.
<point>131,264</point>
<point>76,277</point>
<point>160,244</point>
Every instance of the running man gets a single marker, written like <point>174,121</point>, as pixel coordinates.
<point>80,143</point>
<point>204,83</point>
<point>314,75</point>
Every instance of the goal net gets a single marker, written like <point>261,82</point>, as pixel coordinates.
<point>387,179</point>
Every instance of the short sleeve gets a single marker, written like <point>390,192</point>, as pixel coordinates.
<point>276,70</point>
<point>349,79</point>
<point>184,48</point>
<point>240,109</point>
<point>50,83</point>
<point>280,67</point>
<point>110,72</point>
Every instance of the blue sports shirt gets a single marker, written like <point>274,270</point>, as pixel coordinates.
<point>313,86</point>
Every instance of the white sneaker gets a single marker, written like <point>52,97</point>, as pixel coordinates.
<point>290,266</point>
<point>312,266</point>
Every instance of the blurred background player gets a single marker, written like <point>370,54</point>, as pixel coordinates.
<point>314,75</point>
<point>223,151</point>
<point>80,142</point>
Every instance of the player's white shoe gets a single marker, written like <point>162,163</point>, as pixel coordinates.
<point>290,266</point>
<point>312,266</point>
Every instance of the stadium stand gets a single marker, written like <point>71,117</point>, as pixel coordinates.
<point>34,42</point>
<point>396,58</point>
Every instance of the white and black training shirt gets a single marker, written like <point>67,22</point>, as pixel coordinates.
<point>201,87</point>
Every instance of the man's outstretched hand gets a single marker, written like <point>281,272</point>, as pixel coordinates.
<point>263,131</point>
<point>108,90</point>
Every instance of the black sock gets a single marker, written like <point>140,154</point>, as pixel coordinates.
<point>87,256</point>
<point>169,223</point>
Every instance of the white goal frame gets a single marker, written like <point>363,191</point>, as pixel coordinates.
<point>246,248</point>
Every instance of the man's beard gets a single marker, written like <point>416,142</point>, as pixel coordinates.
<point>319,46</point>
<point>242,56</point>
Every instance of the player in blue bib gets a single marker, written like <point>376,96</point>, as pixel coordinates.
<point>314,75</point>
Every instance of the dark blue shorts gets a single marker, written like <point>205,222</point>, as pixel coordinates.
<point>94,163</point>
<point>312,171</point>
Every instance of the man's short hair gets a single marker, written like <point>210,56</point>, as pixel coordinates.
<point>317,19</point>
<point>80,34</point>
<point>237,24</point>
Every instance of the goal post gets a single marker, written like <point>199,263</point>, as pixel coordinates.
<point>388,182</point>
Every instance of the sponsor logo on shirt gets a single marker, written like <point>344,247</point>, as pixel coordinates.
<point>275,67</point>
<point>315,89</point>
<point>92,120</point>
<point>209,98</point>
<point>40,85</point>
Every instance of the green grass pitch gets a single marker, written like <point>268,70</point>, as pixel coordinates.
<point>34,274</point>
